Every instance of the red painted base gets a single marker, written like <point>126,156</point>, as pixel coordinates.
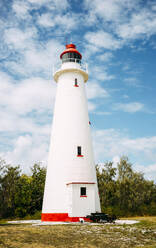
<point>61,217</point>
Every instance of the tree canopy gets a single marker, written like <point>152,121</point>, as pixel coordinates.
<point>20,194</point>
<point>125,192</point>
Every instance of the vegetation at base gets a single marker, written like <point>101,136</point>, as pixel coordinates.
<point>123,191</point>
<point>79,235</point>
<point>21,195</point>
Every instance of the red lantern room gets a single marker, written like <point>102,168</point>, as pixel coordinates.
<point>71,54</point>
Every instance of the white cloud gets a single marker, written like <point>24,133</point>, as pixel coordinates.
<point>102,39</point>
<point>91,106</point>
<point>128,19</point>
<point>154,7</point>
<point>95,91</point>
<point>100,73</point>
<point>104,76</point>
<point>107,9</point>
<point>25,110</point>
<point>131,107</point>
<point>132,81</point>
<point>13,124</point>
<point>115,160</point>
<point>21,9</point>
<point>46,20</point>
<point>66,22</point>
<point>43,58</point>
<point>33,57</point>
<point>141,25</point>
<point>102,113</point>
<point>90,50</point>
<point>126,67</point>
<point>125,96</point>
<point>34,94</point>
<point>150,168</point>
<point>112,10</point>
<point>37,60</point>
<point>27,151</point>
<point>59,5</point>
<point>148,171</point>
<point>17,39</point>
<point>111,144</point>
<point>39,2</point>
<point>105,57</point>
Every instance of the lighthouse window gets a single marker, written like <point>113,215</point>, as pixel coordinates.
<point>71,57</point>
<point>79,151</point>
<point>83,191</point>
<point>76,82</point>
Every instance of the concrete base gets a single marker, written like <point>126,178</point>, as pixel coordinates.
<point>39,222</point>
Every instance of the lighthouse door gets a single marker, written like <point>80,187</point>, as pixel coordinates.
<point>81,199</point>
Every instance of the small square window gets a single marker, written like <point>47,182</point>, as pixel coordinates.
<point>83,191</point>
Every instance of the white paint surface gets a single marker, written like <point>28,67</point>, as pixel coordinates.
<point>70,129</point>
<point>79,206</point>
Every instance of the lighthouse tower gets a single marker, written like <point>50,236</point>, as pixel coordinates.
<point>71,190</point>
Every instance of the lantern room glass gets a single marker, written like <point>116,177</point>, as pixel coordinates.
<point>71,57</point>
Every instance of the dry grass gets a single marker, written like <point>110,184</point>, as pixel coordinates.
<point>75,236</point>
<point>145,218</point>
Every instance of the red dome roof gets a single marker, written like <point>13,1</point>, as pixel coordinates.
<point>70,48</point>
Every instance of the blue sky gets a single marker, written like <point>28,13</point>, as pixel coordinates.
<point>117,39</point>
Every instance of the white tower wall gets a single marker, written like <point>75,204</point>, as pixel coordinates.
<point>67,172</point>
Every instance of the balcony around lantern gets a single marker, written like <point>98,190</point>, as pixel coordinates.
<point>70,64</point>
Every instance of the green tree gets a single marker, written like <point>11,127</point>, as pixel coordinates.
<point>107,186</point>
<point>135,193</point>
<point>9,182</point>
<point>23,196</point>
<point>2,165</point>
<point>20,195</point>
<point>37,187</point>
<point>125,192</point>
<point>124,169</point>
<point>125,175</point>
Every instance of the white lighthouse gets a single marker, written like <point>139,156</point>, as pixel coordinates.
<point>71,190</point>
